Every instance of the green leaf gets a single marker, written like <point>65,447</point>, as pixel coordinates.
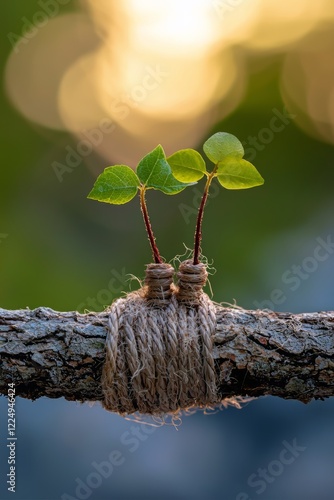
<point>170,185</point>
<point>187,165</point>
<point>235,173</point>
<point>221,145</point>
<point>155,173</point>
<point>116,185</point>
<point>149,167</point>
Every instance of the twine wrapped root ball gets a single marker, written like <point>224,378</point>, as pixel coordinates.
<point>159,345</point>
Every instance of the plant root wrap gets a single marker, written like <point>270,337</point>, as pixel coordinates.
<point>159,345</point>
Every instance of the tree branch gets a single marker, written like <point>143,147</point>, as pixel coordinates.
<point>61,354</point>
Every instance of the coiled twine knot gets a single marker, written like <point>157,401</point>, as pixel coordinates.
<point>159,283</point>
<point>159,345</point>
<point>191,280</point>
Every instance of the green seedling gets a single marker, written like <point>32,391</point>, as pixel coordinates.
<point>119,184</point>
<point>232,171</point>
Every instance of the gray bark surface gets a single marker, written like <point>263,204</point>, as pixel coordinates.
<point>61,354</point>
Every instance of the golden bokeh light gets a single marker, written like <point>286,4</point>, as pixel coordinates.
<point>172,87</point>
<point>282,23</point>
<point>35,67</point>
<point>143,68</point>
<point>174,27</point>
<point>308,84</point>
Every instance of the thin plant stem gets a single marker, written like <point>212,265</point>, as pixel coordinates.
<point>155,251</point>
<point>198,231</point>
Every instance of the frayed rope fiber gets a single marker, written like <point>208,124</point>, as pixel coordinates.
<point>159,345</point>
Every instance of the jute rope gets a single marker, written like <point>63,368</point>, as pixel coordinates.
<point>159,345</point>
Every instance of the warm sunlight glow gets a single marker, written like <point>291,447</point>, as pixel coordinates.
<point>283,22</point>
<point>176,26</point>
<point>138,69</point>
<point>172,88</point>
<point>169,65</point>
<point>164,67</point>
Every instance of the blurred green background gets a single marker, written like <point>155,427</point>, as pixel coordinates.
<point>59,249</point>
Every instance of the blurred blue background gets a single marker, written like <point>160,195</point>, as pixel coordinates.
<point>68,77</point>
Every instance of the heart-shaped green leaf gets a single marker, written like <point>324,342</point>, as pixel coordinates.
<point>187,165</point>
<point>236,173</point>
<point>116,185</point>
<point>155,173</point>
<point>148,169</point>
<point>168,183</point>
<point>222,145</point>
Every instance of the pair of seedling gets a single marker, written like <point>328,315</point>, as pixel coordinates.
<point>119,184</point>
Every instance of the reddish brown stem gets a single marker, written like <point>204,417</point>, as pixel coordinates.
<point>198,232</point>
<point>155,251</point>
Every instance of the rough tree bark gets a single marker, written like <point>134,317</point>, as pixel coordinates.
<point>61,354</point>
